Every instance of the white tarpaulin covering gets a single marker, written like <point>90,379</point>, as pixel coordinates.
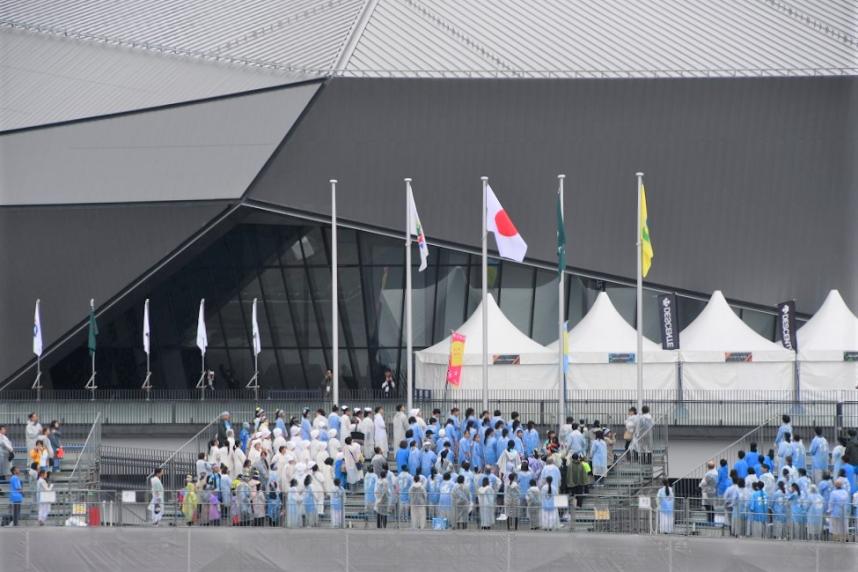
<point>718,332</point>
<point>537,368</point>
<point>603,332</point>
<point>822,342</point>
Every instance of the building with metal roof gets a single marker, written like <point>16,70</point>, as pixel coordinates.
<point>170,151</point>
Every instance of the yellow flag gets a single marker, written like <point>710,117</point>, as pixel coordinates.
<point>646,243</point>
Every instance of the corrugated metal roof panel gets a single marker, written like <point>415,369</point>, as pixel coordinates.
<point>47,79</point>
<point>504,38</point>
<point>685,37</point>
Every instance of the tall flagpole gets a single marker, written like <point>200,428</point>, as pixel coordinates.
<point>147,381</point>
<point>409,373</point>
<point>37,349</point>
<point>335,317</point>
<point>561,325</point>
<point>485,360</point>
<point>639,355</point>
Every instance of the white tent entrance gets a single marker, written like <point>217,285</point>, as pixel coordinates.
<point>515,360</point>
<point>720,352</point>
<point>602,348</point>
<point>828,348</point>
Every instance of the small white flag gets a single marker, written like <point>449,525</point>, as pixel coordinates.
<point>37,332</point>
<point>146,327</point>
<point>257,342</point>
<point>202,338</point>
<point>417,230</point>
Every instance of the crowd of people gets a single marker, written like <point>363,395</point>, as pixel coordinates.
<point>793,490</point>
<point>443,471</point>
<point>44,456</point>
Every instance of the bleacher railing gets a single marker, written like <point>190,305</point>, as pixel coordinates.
<point>693,408</point>
<point>649,514</point>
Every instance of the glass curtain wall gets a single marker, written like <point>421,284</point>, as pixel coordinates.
<point>285,264</point>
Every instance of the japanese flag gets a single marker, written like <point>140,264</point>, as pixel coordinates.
<point>509,241</point>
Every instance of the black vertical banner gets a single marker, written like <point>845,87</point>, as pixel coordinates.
<point>786,325</point>
<point>667,320</point>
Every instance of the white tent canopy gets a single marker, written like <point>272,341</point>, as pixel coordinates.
<point>603,333</point>
<point>537,367</point>
<point>822,344</point>
<point>717,336</point>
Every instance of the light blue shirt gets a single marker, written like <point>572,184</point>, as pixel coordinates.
<point>599,453</point>
<point>784,428</point>
<point>819,452</point>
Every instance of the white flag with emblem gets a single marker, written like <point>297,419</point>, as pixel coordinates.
<point>257,342</point>
<point>202,338</point>
<point>37,332</point>
<point>146,327</point>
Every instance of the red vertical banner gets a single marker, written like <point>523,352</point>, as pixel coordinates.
<point>457,355</point>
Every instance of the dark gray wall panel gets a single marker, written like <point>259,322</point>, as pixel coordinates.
<point>748,183</point>
<point>203,151</point>
<point>67,255</point>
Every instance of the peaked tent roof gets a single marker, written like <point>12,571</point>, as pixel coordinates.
<point>504,337</point>
<point>832,327</point>
<point>719,329</point>
<point>603,329</point>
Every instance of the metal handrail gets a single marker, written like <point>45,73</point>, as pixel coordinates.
<point>741,439</point>
<point>185,444</point>
<point>85,446</point>
<point>656,423</point>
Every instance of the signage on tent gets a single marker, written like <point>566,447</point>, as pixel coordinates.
<point>786,325</point>
<point>735,357</point>
<point>669,332</point>
<point>621,358</point>
<point>506,359</point>
<point>850,356</point>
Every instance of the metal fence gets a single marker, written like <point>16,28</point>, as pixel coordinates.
<point>644,514</point>
<point>709,408</point>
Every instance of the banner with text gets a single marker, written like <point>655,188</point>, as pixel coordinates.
<point>667,321</point>
<point>457,355</point>
<point>786,325</point>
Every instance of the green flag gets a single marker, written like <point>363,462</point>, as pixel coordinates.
<point>561,237</point>
<point>93,330</point>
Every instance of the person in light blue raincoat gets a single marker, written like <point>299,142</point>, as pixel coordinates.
<point>404,481</point>
<point>370,480</point>
<point>445,499</point>
<point>779,504</point>
<point>531,440</point>
<point>338,496</point>
<point>306,424</point>
<point>414,458</point>
<point>294,506</point>
<point>798,512</point>
<point>666,501</point>
<point>433,492</point>
<point>599,455</point>
<point>815,513</point>
<point>819,455</point>
<point>427,459</point>
<point>838,511</point>
<point>799,453</point>
<point>825,486</point>
<point>784,429</point>
<point>759,507</point>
